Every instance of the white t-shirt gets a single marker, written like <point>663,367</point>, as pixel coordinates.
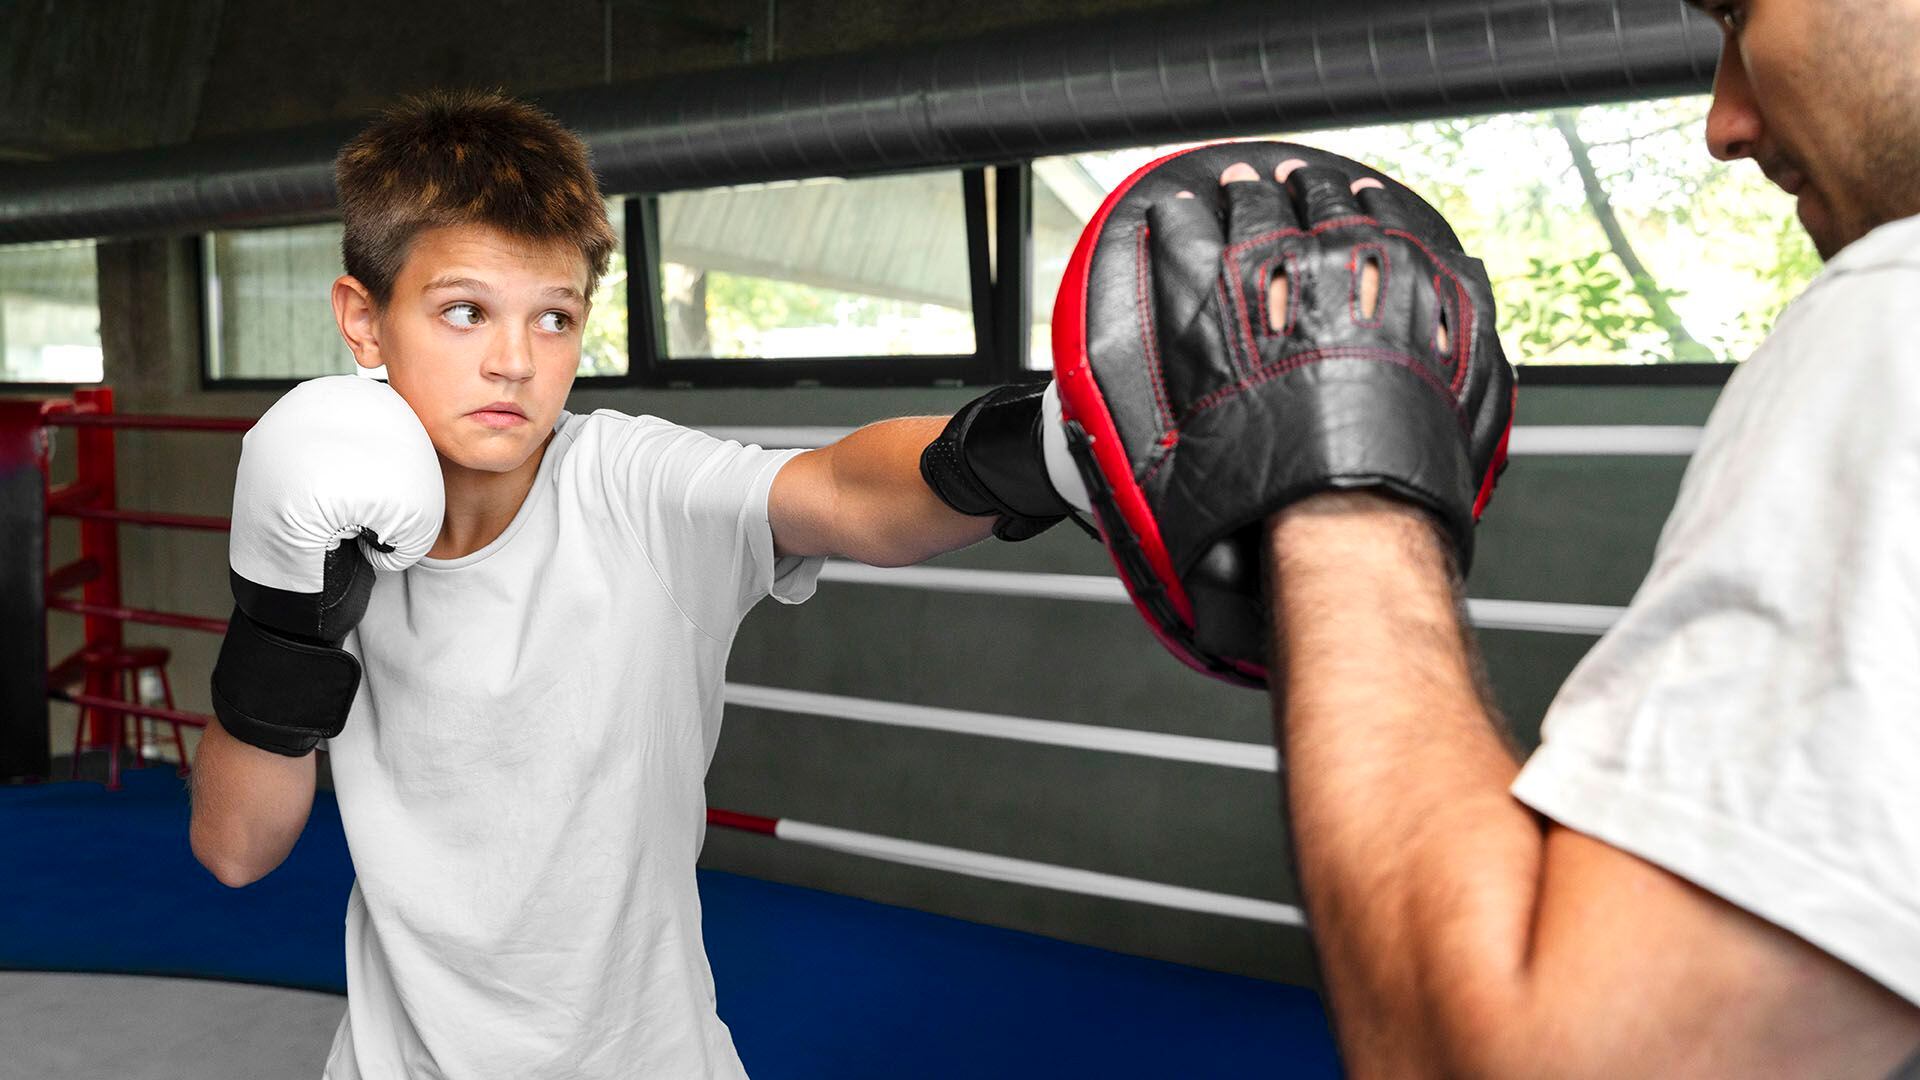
<point>522,775</point>
<point>1752,724</point>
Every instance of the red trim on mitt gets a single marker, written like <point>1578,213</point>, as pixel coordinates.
<point>1080,399</point>
<point>1499,458</point>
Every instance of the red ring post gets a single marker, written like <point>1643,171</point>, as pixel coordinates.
<point>92,499</point>
<point>111,419</point>
<point>97,468</point>
<point>139,615</point>
<point>115,705</point>
<point>158,518</point>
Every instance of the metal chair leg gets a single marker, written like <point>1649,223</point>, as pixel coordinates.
<point>139,722</point>
<point>119,737</point>
<point>179,741</point>
<point>79,733</point>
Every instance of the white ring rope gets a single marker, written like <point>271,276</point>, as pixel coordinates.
<point>1526,615</point>
<point>1038,874</point>
<point>1564,440</point>
<point>1535,615</point>
<point>1258,757</point>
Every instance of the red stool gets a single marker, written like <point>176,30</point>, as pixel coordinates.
<point>118,669</point>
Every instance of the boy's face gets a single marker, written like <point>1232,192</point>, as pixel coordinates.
<point>481,337</point>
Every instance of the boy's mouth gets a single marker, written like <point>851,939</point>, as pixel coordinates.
<point>499,415</point>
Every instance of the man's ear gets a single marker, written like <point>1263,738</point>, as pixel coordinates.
<point>358,318</point>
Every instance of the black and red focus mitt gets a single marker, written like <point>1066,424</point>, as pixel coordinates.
<point>1195,407</point>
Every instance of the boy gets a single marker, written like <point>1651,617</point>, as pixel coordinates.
<point>521,720</point>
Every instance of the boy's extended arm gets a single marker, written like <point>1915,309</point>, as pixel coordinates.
<point>249,806</point>
<point>902,491</point>
<point>1459,933</point>
<point>863,498</point>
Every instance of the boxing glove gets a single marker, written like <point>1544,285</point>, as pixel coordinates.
<point>1003,454</point>
<point>1196,411</point>
<point>338,479</point>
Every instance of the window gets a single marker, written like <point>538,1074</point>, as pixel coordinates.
<point>604,344</point>
<point>870,279</point>
<point>270,316</point>
<point>268,310</point>
<point>1559,204</point>
<point>50,313</point>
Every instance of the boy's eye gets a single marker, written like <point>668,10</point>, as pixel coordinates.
<point>556,321</point>
<point>462,315</point>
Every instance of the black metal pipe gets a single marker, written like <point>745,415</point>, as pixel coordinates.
<point>1163,76</point>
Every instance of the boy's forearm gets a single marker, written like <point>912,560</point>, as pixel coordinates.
<point>249,806</point>
<point>1420,871</point>
<point>887,515</point>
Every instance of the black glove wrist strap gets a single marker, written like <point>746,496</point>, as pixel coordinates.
<point>280,693</point>
<point>989,461</point>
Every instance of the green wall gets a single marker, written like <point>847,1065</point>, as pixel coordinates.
<point>1570,529</point>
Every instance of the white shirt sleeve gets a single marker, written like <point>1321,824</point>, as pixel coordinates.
<point>698,508</point>
<point>1752,724</point>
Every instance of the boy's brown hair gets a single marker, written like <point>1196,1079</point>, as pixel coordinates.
<point>465,157</point>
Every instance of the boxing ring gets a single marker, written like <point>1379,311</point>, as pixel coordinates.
<point>91,499</point>
<point>812,983</point>
<point>805,977</point>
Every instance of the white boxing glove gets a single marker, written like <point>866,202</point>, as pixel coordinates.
<point>1062,472</point>
<point>337,479</point>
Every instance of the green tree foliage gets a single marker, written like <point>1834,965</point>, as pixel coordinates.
<point>743,311</point>
<point>1580,303</point>
<point>740,306</point>
<point>1611,235</point>
<point>603,345</point>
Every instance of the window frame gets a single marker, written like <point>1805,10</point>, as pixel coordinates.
<point>999,252</point>
<point>53,389</point>
<point>987,364</point>
<point>1674,374</point>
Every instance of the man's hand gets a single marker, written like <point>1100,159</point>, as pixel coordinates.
<point>1460,934</point>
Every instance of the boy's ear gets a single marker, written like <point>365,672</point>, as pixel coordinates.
<point>357,316</point>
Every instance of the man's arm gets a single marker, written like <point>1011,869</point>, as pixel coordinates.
<point>863,498</point>
<point>1458,932</point>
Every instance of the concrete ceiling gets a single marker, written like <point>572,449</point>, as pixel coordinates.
<point>78,78</point>
<point>105,75</point>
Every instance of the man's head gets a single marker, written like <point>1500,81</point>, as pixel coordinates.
<point>475,234</point>
<point>1825,96</point>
